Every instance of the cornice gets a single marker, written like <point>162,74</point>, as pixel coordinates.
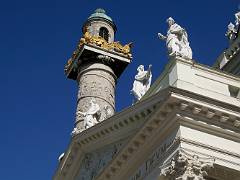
<point>205,146</point>
<point>209,69</point>
<point>144,119</point>
<point>191,97</point>
<point>168,110</point>
<point>212,115</point>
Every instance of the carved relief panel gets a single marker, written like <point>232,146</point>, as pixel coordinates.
<point>97,86</point>
<point>94,162</point>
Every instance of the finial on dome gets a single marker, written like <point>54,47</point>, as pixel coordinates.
<point>100,10</point>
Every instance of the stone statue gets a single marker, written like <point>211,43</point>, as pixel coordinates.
<point>237,19</point>
<point>91,116</point>
<point>176,40</point>
<point>232,29</point>
<point>142,82</point>
<point>231,32</point>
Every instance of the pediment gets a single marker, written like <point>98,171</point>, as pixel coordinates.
<point>146,129</point>
<point>120,127</point>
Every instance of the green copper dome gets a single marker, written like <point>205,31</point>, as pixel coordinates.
<point>100,13</point>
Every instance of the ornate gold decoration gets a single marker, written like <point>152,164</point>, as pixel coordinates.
<point>101,42</point>
<point>69,62</point>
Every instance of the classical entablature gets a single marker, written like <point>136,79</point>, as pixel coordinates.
<point>163,121</point>
<point>171,116</point>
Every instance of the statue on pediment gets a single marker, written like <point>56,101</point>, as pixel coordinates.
<point>176,40</point>
<point>142,82</point>
<point>231,32</point>
<point>237,18</point>
<point>233,29</point>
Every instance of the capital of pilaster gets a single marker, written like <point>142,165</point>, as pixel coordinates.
<point>185,166</point>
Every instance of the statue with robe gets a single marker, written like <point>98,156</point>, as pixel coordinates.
<point>176,40</point>
<point>142,82</point>
<point>233,29</point>
<point>231,32</point>
<point>237,19</point>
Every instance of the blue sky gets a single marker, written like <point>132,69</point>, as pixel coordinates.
<point>37,37</point>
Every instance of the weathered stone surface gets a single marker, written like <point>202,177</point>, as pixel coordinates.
<point>94,26</point>
<point>94,162</point>
<point>142,82</point>
<point>96,81</point>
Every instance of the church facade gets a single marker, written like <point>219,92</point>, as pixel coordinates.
<point>186,126</point>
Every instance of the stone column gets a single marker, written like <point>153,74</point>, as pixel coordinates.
<point>96,64</point>
<point>96,81</point>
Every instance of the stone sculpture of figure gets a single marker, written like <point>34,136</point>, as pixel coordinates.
<point>91,116</point>
<point>142,82</point>
<point>237,19</point>
<point>176,40</point>
<point>231,32</point>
